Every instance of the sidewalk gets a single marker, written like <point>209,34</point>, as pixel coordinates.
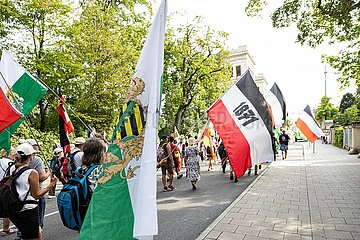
<point>310,196</point>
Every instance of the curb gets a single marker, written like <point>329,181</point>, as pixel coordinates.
<point>223,214</point>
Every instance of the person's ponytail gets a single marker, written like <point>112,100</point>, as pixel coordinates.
<point>20,157</point>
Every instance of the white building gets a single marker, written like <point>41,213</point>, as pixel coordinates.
<point>241,60</point>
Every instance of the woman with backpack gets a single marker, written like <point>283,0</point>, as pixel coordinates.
<point>5,161</point>
<point>94,154</point>
<point>73,200</point>
<point>27,187</point>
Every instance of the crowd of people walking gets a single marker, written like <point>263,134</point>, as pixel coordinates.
<point>28,172</point>
<point>25,172</point>
<point>190,151</point>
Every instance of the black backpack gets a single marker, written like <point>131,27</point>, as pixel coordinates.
<point>10,204</point>
<point>222,151</point>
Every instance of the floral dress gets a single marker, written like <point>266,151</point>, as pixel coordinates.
<point>193,166</point>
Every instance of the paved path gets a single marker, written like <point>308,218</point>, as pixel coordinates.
<point>310,196</point>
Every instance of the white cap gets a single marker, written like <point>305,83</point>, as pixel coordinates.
<point>33,142</point>
<point>25,149</point>
<point>57,150</point>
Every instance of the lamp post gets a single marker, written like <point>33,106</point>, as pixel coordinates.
<point>325,72</point>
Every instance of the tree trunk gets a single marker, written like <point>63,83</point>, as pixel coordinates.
<point>42,116</point>
<point>179,116</point>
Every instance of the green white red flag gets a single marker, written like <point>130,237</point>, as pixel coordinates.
<point>22,90</point>
<point>8,112</point>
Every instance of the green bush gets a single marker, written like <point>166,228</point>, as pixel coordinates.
<point>339,135</point>
<point>49,140</point>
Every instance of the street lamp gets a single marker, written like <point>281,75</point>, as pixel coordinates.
<point>325,72</point>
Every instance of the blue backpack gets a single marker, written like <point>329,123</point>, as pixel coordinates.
<point>73,200</point>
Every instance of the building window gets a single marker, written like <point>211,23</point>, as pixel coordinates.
<point>238,71</point>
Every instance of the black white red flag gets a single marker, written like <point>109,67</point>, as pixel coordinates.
<point>65,125</point>
<point>277,104</point>
<point>308,125</point>
<point>242,119</point>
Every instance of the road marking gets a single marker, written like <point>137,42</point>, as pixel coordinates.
<point>50,214</point>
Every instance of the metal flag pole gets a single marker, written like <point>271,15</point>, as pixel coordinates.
<point>69,107</point>
<point>314,146</point>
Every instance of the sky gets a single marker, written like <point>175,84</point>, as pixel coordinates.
<point>296,69</point>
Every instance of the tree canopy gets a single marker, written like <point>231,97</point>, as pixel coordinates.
<point>318,21</point>
<point>86,51</point>
<point>325,110</point>
<point>347,101</point>
<point>196,73</point>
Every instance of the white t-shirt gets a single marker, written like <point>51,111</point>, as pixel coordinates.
<point>4,164</point>
<point>78,157</point>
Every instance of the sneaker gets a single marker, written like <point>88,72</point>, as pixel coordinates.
<point>180,176</point>
<point>165,189</point>
<point>236,180</point>
<point>171,188</point>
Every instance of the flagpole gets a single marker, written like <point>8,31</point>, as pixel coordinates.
<point>11,92</point>
<point>314,147</point>
<point>69,107</point>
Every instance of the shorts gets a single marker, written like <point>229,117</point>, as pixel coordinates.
<point>169,167</point>
<point>28,223</point>
<point>283,148</point>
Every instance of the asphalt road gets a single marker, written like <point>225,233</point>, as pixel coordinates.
<point>182,214</point>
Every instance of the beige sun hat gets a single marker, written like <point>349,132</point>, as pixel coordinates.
<point>192,141</point>
<point>79,140</point>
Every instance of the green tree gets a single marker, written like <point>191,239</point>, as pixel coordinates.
<point>325,110</point>
<point>349,115</point>
<point>32,29</point>
<point>88,53</point>
<point>97,60</point>
<point>347,101</point>
<point>6,12</point>
<point>318,21</point>
<point>196,74</point>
